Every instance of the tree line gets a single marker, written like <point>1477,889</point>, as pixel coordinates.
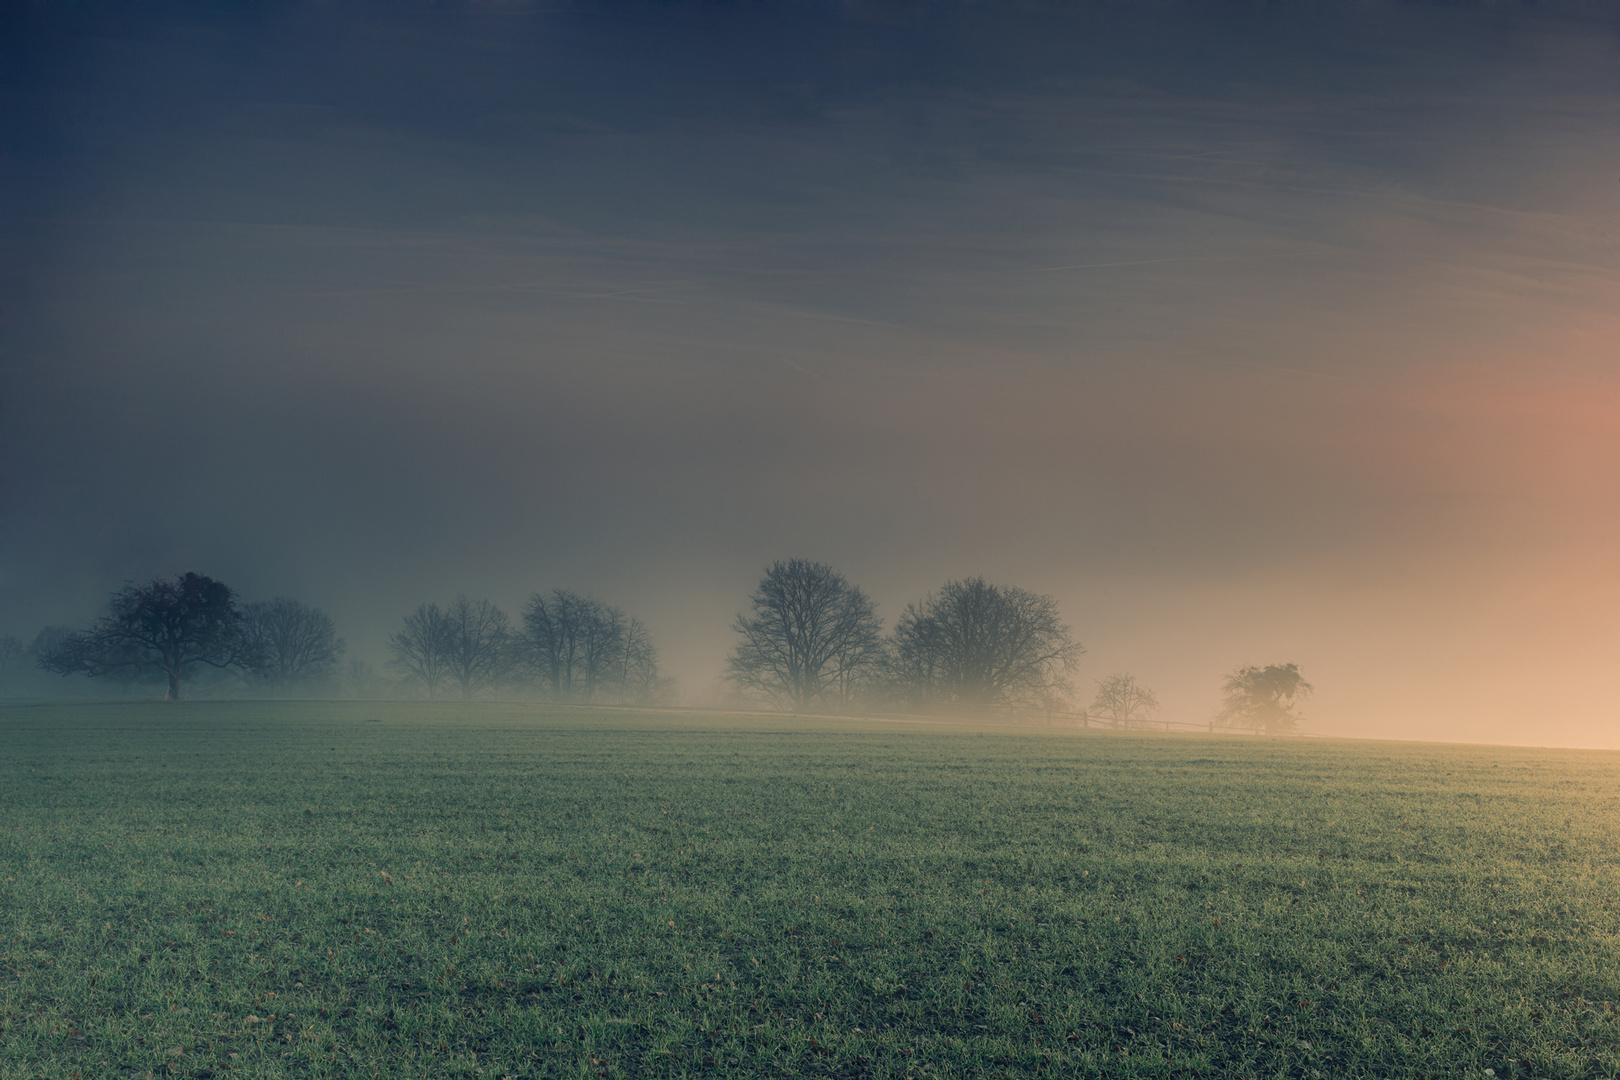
<point>193,628</point>
<point>809,640</point>
<point>572,648</point>
<point>812,640</point>
<point>169,631</point>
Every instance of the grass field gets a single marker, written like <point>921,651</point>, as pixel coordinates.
<point>315,889</point>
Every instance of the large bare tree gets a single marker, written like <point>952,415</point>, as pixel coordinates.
<point>810,638</point>
<point>581,649</point>
<point>297,644</point>
<point>420,649</point>
<point>169,627</point>
<point>552,645</point>
<point>478,644</point>
<point>975,643</point>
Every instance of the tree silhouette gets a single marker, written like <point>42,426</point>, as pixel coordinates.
<point>565,641</point>
<point>421,648</point>
<point>974,643</point>
<point>166,626</point>
<point>1123,702</point>
<point>640,682</point>
<point>1257,697</point>
<point>581,649</point>
<point>810,639</point>
<point>295,643</point>
<point>477,644</point>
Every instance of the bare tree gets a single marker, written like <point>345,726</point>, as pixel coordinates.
<point>974,643</point>
<point>550,644</point>
<point>296,643</point>
<point>640,681</point>
<point>1264,698</point>
<point>170,627</point>
<point>581,649</point>
<point>811,639</point>
<point>601,641</point>
<point>421,648</point>
<point>1124,702</point>
<point>478,642</point>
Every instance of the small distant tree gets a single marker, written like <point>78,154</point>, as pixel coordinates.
<point>420,650</point>
<point>1124,702</point>
<point>1264,697</point>
<point>296,643</point>
<point>170,627</point>
<point>477,644</point>
<point>974,643</point>
<point>810,639</point>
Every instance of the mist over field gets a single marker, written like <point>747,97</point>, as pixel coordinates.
<point>1248,335</point>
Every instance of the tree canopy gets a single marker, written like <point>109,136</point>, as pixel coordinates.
<point>169,627</point>
<point>420,648</point>
<point>296,644</point>
<point>477,644</point>
<point>578,648</point>
<point>974,643</point>
<point>1264,698</point>
<point>1123,701</point>
<point>810,638</point>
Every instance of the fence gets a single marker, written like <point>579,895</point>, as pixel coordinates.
<point>1079,718</point>
<point>1060,718</point>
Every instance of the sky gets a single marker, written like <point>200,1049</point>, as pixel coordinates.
<point>1251,333</point>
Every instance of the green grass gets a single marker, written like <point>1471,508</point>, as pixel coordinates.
<point>214,889</point>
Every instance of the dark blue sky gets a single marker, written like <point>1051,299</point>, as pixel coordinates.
<point>1253,333</point>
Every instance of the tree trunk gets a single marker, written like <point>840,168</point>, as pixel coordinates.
<point>174,687</point>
